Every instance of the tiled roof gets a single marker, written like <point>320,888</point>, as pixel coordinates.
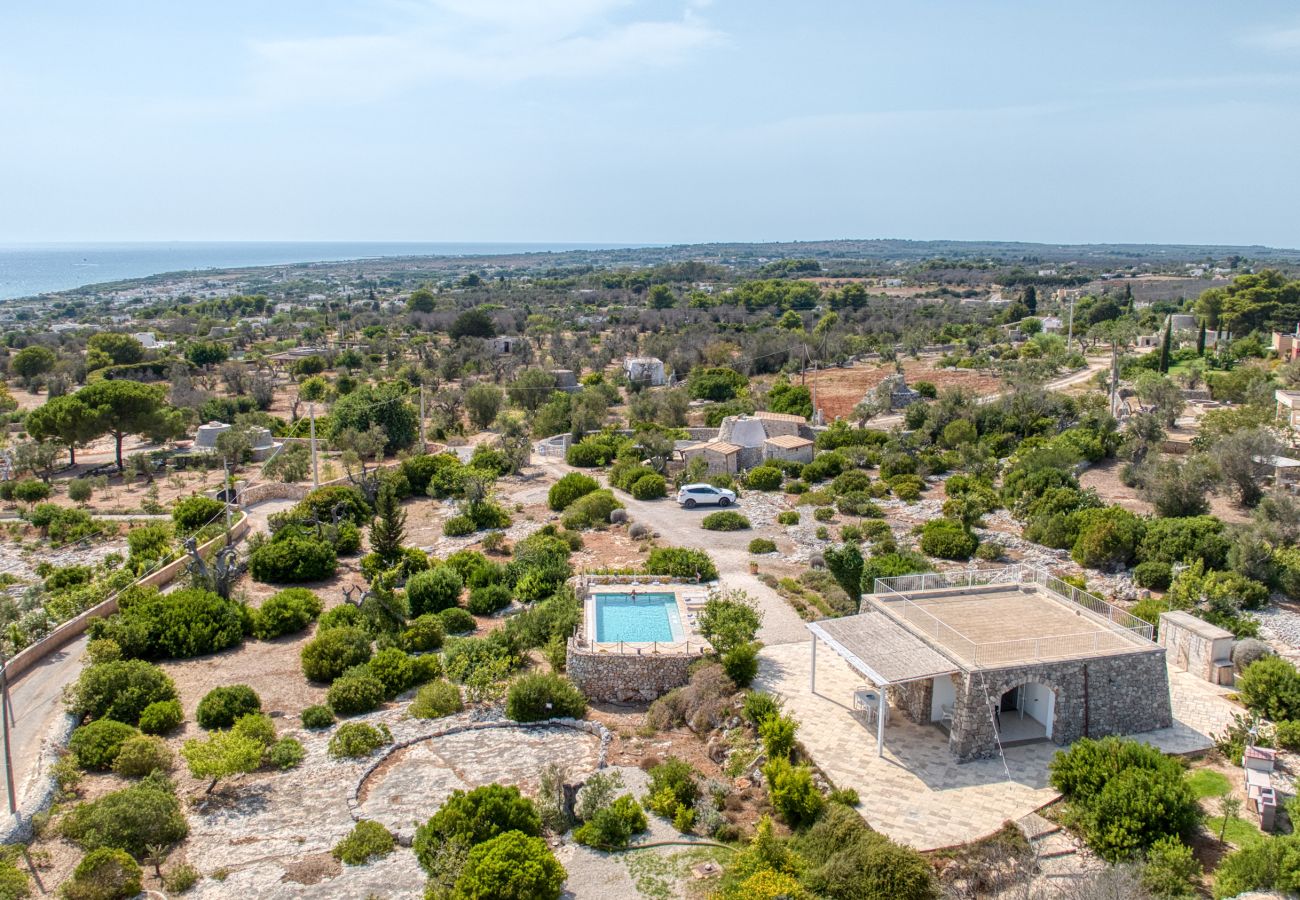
<point>788,441</point>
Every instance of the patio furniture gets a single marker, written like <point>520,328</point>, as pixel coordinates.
<point>947,710</point>
<point>868,700</point>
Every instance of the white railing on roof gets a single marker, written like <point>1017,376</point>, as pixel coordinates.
<point>934,581</point>
<point>914,615</point>
<point>1090,602</point>
<point>891,594</point>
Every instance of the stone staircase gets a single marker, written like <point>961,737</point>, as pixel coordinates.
<point>1055,849</point>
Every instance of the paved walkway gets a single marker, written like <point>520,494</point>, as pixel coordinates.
<point>917,793</point>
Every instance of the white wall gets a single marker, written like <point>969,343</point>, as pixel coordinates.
<point>944,693</point>
<point>1039,704</point>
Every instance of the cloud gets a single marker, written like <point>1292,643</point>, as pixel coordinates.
<point>1284,39</point>
<point>482,41</point>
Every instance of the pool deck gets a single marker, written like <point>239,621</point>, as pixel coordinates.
<point>690,600</point>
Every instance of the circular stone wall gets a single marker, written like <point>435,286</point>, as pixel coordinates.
<point>413,781</point>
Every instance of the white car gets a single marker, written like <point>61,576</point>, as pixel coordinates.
<point>693,495</point>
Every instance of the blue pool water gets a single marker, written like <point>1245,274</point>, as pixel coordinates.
<point>641,619</point>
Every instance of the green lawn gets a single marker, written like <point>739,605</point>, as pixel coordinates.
<point>1208,783</point>
<point>1241,832</point>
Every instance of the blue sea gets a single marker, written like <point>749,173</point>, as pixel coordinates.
<point>30,269</point>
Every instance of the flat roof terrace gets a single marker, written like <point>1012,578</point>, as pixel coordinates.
<point>1026,616</point>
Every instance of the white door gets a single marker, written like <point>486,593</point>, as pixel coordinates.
<point>943,694</point>
<point>1039,703</point>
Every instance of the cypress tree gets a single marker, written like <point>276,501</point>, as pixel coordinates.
<point>1200,340</point>
<point>1164,348</point>
<point>1031,300</point>
<point>389,528</point>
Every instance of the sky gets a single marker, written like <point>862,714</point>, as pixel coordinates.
<point>650,121</point>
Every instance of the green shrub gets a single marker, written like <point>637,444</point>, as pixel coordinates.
<point>792,792</point>
<point>570,488</point>
<point>193,512</point>
<point>1171,870</point>
<point>423,633</point>
<point>343,616</point>
<point>14,883</point>
<point>764,478</point>
<point>286,612</point>
<point>358,739</point>
<point>181,878</point>
<point>255,727</point>
<point>759,546</point>
<point>143,754</point>
<point>724,520</point>
<point>474,817</point>
<point>511,866</point>
<point>777,732</point>
<point>96,744</point>
<point>434,590</point>
<point>317,717</point>
<point>823,513</point>
<point>31,490</point>
<point>286,753</point>
<point>393,669</point>
<point>741,664</point>
<point>533,698</point>
<point>907,487</point>
<point>859,503</point>
<point>293,560</point>
<point>120,690</point>
<point>366,841</point>
<point>759,707</point>
<point>331,653</point>
<point>436,699</point>
<point>133,819</point>
<point>104,874</point>
<point>1153,575</point>
<point>846,796</point>
<point>681,562</point>
<point>425,668</point>
<point>183,624</point>
<point>355,692</point>
<point>1138,807</point>
<point>1108,538</point>
<point>221,706</point>
<point>457,621</point>
<point>1271,687</point>
<point>591,510</point>
<point>947,539</point>
<point>789,517</point>
<point>672,787</point>
<point>161,717</point>
<point>483,601</point>
<point>611,827</point>
<point>845,858</point>
<point>650,486</point>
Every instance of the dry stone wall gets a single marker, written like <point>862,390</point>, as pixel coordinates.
<point>626,677</point>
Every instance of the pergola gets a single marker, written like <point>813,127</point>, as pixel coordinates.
<point>883,651</point>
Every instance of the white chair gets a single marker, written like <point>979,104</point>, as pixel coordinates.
<point>867,700</point>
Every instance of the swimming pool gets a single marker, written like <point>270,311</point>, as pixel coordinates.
<point>637,618</point>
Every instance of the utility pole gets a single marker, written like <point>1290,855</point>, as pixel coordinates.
<point>315,469</point>
<point>7,714</point>
<point>1070,338</point>
<point>423,446</point>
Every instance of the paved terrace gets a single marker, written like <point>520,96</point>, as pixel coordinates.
<point>1012,623</point>
<point>916,792</point>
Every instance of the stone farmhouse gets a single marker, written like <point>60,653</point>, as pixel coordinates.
<point>999,658</point>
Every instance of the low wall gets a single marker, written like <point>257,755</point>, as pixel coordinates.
<point>626,677</point>
<point>272,490</point>
<point>74,627</point>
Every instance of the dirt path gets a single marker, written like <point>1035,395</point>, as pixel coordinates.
<point>729,550</point>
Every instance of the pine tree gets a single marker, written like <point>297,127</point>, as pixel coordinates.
<point>1164,348</point>
<point>1031,300</point>
<point>389,528</point>
<point>1200,340</point>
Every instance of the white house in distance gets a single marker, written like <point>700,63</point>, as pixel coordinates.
<point>646,370</point>
<point>149,342</point>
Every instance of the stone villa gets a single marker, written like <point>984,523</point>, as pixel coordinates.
<point>999,658</point>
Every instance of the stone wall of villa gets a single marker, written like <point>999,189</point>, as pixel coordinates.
<point>913,698</point>
<point>626,677</point>
<point>1098,696</point>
